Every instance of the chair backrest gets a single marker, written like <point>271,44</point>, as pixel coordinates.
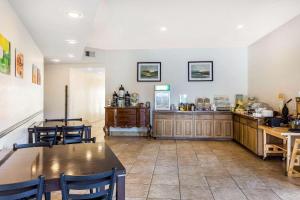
<point>100,185</point>
<point>72,134</point>
<point>45,134</point>
<point>23,190</point>
<point>75,119</point>
<point>38,144</point>
<point>54,120</point>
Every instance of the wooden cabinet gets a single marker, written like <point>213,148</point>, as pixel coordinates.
<point>192,124</point>
<point>126,117</point>
<point>223,126</point>
<point>204,125</point>
<point>236,130</point>
<point>188,129</point>
<point>245,131</point>
<point>183,125</point>
<point>218,128</point>
<point>252,139</point>
<point>163,125</point>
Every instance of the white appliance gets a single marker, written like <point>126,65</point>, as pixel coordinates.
<point>162,97</point>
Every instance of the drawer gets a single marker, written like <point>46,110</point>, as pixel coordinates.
<point>222,116</point>
<point>252,123</point>
<point>127,111</point>
<point>201,116</point>
<point>127,117</point>
<point>163,116</point>
<point>183,116</point>
<point>243,120</point>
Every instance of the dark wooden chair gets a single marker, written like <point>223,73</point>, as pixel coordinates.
<point>39,144</point>
<point>46,134</point>
<point>72,134</point>
<point>89,140</point>
<point>54,120</point>
<point>32,189</point>
<point>101,186</point>
<point>74,119</point>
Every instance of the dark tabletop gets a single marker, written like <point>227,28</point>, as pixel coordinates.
<point>72,159</point>
<point>59,124</point>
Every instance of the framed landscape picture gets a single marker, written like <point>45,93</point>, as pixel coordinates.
<point>149,71</point>
<point>19,64</point>
<point>5,55</point>
<point>200,71</point>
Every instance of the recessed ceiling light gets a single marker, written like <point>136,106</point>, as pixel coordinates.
<point>71,55</point>
<point>75,14</point>
<point>70,41</point>
<point>163,29</point>
<point>240,26</point>
<point>55,60</point>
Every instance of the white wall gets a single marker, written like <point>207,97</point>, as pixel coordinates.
<point>19,97</point>
<point>86,90</point>
<point>274,64</point>
<point>230,72</point>
<point>87,94</point>
<point>56,77</point>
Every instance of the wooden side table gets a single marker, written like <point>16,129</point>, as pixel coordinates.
<point>127,117</point>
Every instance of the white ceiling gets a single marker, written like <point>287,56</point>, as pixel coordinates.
<point>136,24</point>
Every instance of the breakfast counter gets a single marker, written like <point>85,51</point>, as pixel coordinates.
<point>192,124</point>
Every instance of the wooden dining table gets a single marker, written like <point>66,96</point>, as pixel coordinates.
<point>59,125</point>
<point>72,159</point>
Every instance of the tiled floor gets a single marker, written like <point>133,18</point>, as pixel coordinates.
<point>168,169</point>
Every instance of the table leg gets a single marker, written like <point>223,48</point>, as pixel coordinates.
<point>265,144</point>
<point>30,136</point>
<point>120,190</point>
<point>88,134</point>
<point>289,147</point>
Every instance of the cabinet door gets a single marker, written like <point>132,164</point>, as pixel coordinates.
<point>245,135</point>
<point>168,127</point>
<point>207,128</point>
<point>227,128</point>
<point>252,141</point>
<point>236,131</point>
<point>199,128</point>
<point>158,127</point>
<point>178,128</point>
<point>218,128</point>
<point>188,128</point>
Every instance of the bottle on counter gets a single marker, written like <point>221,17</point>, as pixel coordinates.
<point>127,99</point>
<point>121,102</point>
<point>115,99</point>
<point>121,91</point>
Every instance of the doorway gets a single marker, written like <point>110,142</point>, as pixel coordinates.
<point>87,93</point>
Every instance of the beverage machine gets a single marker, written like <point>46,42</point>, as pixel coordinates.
<point>162,97</point>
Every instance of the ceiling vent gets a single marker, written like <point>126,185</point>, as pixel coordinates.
<point>90,54</point>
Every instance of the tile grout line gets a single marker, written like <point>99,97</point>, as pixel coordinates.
<point>241,189</point>
<point>276,194</point>
<point>153,172</point>
<point>212,194</point>
<point>179,186</point>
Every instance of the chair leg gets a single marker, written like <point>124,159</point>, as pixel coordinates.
<point>47,196</point>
